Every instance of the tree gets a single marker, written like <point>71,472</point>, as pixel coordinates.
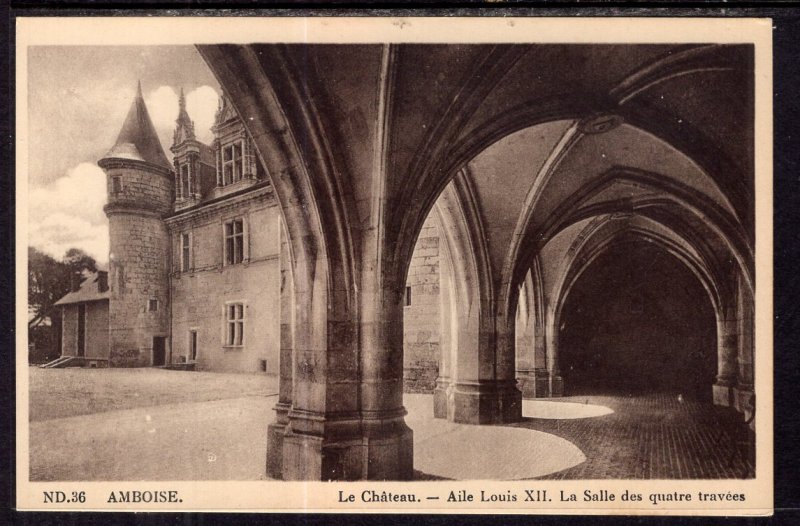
<point>49,280</point>
<point>79,261</point>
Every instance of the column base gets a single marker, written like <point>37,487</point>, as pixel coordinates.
<point>723,394</point>
<point>744,401</point>
<point>534,384</point>
<point>387,453</point>
<point>441,398</point>
<point>556,386</point>
<point>487,403</point>
<point>275,433</point>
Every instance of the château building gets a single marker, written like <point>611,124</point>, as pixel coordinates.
<point>194,254</point>
<point>194,260</point>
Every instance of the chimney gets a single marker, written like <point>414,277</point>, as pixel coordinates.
<point>102,281</point>
<point>75,282</point>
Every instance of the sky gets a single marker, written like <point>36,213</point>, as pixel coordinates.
<point>78,98</point>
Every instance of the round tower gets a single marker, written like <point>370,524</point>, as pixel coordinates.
<point>140,193</point>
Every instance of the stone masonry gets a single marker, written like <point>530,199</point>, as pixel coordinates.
<point>421,319</point>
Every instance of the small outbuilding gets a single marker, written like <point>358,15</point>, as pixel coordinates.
<point>84,327</point>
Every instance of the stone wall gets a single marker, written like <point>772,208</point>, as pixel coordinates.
<point>139,185</point>
<point>96,330</point>
<point>421,319</point>
<point>201,295</point>
<point>69,330</point>
<point>139,268</point>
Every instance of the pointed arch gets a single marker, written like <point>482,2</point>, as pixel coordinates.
<point>315,205</point>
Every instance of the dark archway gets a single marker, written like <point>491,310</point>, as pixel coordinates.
<point>636,321</point>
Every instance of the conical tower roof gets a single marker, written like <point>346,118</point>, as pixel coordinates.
<point>138,139</point>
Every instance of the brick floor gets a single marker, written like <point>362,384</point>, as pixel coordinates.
<point>652,437</point>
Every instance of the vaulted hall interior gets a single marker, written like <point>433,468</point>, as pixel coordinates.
<point>495,228</point>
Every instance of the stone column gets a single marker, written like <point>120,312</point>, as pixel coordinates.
<point>532,375</point>
<point>388,451</point>
<point>745,385</point>
<point>524,349</point>
<point>486,386</point>
<point>541,376</point>
<point>727,350</point>
<point>277,429</point>
<point>556,382</point>
<point>482,368</point>
<point>347,420</point>
<point>441,393</point>
<point>331,432</point>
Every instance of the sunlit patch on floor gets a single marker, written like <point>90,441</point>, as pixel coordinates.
<point>468,452</point>
<point>562,410</point>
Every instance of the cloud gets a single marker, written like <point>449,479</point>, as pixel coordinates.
<point>162,105</point>
<point>201,104</point>
<point>58,232</point>
<point>68,213</point>
<point>81,192</point>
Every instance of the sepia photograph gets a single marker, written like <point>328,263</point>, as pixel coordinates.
<point>370,257</point>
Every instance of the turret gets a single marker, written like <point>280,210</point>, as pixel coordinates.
<point>194,161</point>
<point>140,194</point>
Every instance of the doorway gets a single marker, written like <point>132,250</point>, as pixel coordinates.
<point>81,329</point>
<point>192,346</point>
<point>159,350</point>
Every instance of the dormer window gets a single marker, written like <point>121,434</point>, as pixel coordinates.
<point>231,163</point>
<point>185,181</point>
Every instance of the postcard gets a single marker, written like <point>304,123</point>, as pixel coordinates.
<point>409,265</point>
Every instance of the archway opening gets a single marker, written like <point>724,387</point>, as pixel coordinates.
<point>638,321</point>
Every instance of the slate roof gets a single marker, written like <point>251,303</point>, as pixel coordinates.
<point>89,290</point>
<point>138,139</point>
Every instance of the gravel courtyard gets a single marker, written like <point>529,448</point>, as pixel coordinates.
<point>148,424</point>
<point>59,393</point>
<point>153,424</point>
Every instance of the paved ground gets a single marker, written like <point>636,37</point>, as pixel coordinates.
<point>221,434</point>
<point>651,437</point>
